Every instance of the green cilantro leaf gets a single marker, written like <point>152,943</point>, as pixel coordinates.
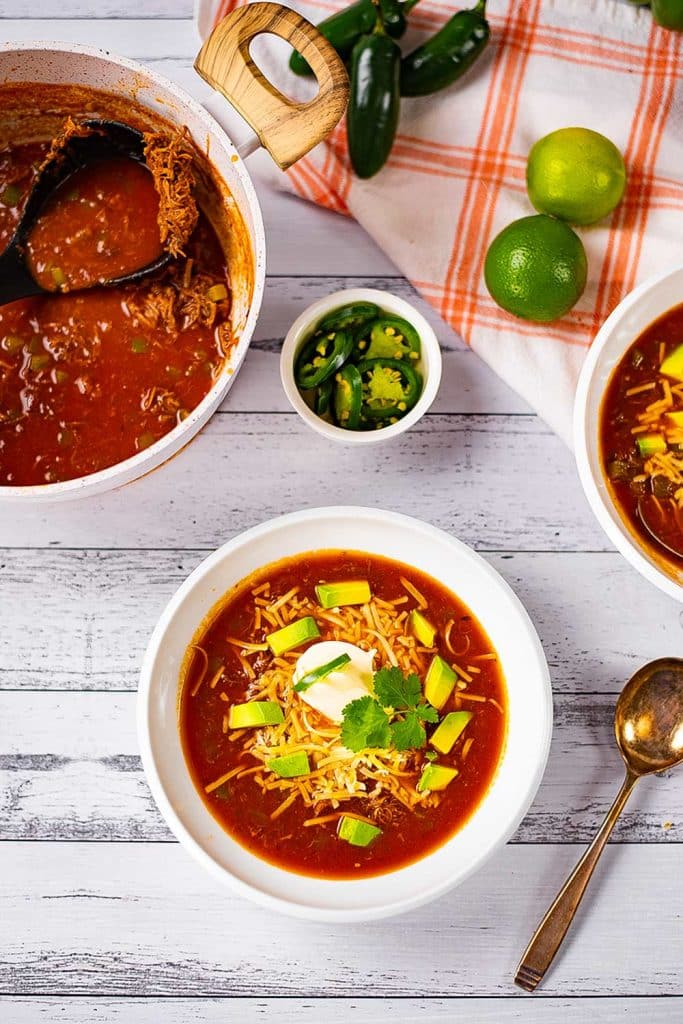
<point>431,755</point>
<point>427,713</point>
<point>394,690</point>
<point>408,732</point>
<point>365,724</point>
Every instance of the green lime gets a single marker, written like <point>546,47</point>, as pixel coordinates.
<point>575,174</point>
<point>536,268</point>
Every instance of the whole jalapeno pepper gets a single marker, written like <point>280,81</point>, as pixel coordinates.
<point>345,28</point>
<point>668,14</point>
<point>444,57</point>
<point>372,115</point>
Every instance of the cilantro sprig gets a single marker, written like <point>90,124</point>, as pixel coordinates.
<point>394,717</point>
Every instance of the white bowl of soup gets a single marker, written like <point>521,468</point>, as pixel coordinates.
<point>628,429</point>
<point>343,712</point>
<point>104,385</point>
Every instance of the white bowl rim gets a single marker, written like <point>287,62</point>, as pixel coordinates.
<point>149,459</point>
<point>197,851</point>
<point>380,297</point>
<point>605,511</point>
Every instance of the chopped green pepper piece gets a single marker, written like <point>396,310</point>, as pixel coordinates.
<point>316,674</point>
<point>255,713</point>
<point>58,276</point>
<point>357,832</point>
<point>348,397</point>
<point>289,766</point>
<point>336,595</point>
<point>12,343</point>
<point>321,357</point>
<point>40,362</point>
<point>11,195</point>
<point>293,635</point>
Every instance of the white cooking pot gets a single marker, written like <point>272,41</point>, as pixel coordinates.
<point>286,129</point>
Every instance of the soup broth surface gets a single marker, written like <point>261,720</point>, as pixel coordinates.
<point>219,673</point>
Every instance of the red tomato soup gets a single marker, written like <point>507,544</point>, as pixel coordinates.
<point>326,759</point>
<point>641,437</point>
<point>88,379</point>
<point>101,223</point>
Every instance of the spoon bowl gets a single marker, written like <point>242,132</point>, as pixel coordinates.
<point>104,140</point>
<point>648,725</point>
<point>648,721</point>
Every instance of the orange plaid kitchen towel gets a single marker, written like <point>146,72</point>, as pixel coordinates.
<point>456,175</point>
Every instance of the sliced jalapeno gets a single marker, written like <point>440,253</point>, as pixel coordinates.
<point>392,337</point>
<point>390,388</point>
<point>348,397</point>
<point>349,317</point>
<point>320,358</point>
<point>323,397</point>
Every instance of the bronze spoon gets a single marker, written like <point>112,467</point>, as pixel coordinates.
<point>651,516</point>
<point>648,725</point>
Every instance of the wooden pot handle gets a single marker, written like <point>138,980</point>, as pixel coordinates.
<point>287,129</point>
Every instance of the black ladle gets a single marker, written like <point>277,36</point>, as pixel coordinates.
<point>107,139</point>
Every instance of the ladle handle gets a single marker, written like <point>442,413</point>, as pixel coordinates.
<point>550,933</point>
<point>287,129</point>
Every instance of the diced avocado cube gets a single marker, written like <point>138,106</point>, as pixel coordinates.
<point>293,635</point>
<point>650,444</point>
<point>255,713</point>
<point>447,732</point>
<point>673,364</point>
<point>421,628</point>
<point>336,595</point>
<point>434,777</point>
<point>357,832</point>
<point>290,765</point>
<point>439,682</point>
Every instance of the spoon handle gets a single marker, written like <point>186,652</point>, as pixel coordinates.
<point>550,933</point>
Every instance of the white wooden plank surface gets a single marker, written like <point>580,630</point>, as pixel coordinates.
<point>247,467</point>
<point>80,1010</point>
<point>102,916</point>
<point>124,918</point>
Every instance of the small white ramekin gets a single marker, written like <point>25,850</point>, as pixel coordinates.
<point>429,365</point>
<point>638,310</point>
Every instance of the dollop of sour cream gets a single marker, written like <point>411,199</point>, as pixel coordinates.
<point>331,694</point>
